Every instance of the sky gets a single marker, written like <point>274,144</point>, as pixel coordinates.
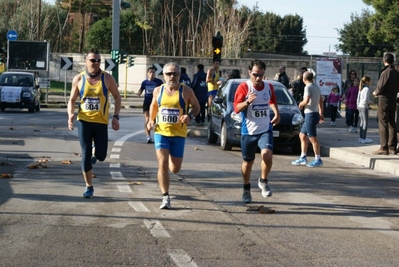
<point>321,18</point>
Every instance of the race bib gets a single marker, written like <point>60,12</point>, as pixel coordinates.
<point>260,110</point>
<point>91,104</point>
<point>169,115</point>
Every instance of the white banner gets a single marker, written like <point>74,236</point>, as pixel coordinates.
<point>328,74</point>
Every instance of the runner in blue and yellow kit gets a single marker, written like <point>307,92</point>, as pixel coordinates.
<point>169,116</point>
<point>93,87</point>
<point>213,80</point>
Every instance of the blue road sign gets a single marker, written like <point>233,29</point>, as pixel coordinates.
<point>12,35</point>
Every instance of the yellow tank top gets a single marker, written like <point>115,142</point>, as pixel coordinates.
<point>170,109</point>
<point>93,106</point>
<point>215,78</point>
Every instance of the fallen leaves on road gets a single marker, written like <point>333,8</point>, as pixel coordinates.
<point>42,161</point>
<point>36,130</point>
<point>11,128</point>
<point>135,183</point>
<point>261,209</point>
<point>37,166</point>
<point>197,148</point>
<point>66,161</point>
<point>6,175</point>
<point>5,164</point>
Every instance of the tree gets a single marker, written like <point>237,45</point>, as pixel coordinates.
<point>384,23</point>
<point>354,37</point>
<point>275,34</point>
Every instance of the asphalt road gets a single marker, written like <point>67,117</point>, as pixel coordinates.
<point>337,215</point>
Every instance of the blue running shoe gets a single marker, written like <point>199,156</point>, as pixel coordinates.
<point>315,163</point>
<point>88,192</point>
<point>93,157</point>
<point>300,161</point>
<point>246,196</point>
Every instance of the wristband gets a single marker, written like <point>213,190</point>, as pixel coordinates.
<point>117,117</point>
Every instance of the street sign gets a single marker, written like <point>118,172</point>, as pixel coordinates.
<point>44,82</point>
<point>66,63</point>
<point>12,35</point>
<point>159,68</point>
<point>109,64</point>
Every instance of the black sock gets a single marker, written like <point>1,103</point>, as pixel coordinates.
<point>263,180</point>
<point>247,186</point>
<point>165,194</point>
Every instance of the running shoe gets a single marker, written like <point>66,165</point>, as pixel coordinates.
<point>149,140</point>
<point>315,163</point>
<point>165,203</point>
<point>88,192</point>
<point>300,161</point>
<point>266,191</point>
<point>246,196</point>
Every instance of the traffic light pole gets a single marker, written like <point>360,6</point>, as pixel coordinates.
<point>115,35</point>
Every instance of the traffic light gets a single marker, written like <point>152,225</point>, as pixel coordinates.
<point>125,5</point>
<point>130,61</point>
<point>122,58</point>
<point>115,56</point>
<point>217,43</point>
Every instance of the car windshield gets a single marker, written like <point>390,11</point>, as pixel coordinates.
<point>15,80</point>
<point>282,94</point>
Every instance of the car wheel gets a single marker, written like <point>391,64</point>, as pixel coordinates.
<point>32,109</point>
<point>2,109</point>
<point>224,143</point>
<point>212,137</point>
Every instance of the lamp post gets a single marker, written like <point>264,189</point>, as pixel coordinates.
<point>115,34</point>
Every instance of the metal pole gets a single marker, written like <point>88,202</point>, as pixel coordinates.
<point>115,34</point>
<point>125,93</point>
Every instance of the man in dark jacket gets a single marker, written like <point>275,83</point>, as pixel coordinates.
<point>282,77</point>
<point>299,87</point>
<point>386,91</point>
<point>201,92</point>
<point>184,77</point>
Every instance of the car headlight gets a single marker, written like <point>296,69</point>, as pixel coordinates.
<point>297,119</point>
<point>236,117</point>
<point>26,94</point>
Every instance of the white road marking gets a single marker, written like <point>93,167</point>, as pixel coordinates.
<point>116,149</point>
<point>124,138</point>
<point>115,165</point>
<point>114,156</point>
<point>156,228</point>
<point>138,206</point>
<point>181,258</point>
<point>117,175</point>
<point>124,188</point>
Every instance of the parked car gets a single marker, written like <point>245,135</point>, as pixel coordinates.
<point>19,90</point>
<point>226,124</point>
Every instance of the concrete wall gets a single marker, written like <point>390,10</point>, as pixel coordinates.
<point>131,78</point>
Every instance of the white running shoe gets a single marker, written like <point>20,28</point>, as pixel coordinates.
<point>367,140</point>
<point>165,203</point>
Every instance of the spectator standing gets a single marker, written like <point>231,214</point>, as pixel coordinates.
<point>298,91</point>
<point>201,92</point>
<point>351,100</point>
<point>282,77</point>
<point>94,87</point>
<point>184,77</point>
<point>386,91</point>
<point>253,99</point>
<point>363,102</point>
<point>333,102</point>
<point>233,74</point>
<point>148,87</point>
<point>312,104</point>
<point>345,87</point>
<point>170,108</point>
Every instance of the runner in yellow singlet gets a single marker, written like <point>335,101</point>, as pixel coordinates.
<point>93,87</point>
<point>170,108</point>
<point>213,81</point>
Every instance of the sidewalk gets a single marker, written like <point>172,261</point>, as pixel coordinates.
<point>336,141</point>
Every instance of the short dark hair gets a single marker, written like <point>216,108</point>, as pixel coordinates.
<point>151,68</point>
<point>389,58</point>
<point>259,63</point>
<point>304,68</point>
<point>235,74</point>
<point>93,51</point>
<point>183,70</point>
<point>200,67</point>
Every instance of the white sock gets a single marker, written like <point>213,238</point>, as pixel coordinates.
<point>303,155</point>
<point>317,157</point>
